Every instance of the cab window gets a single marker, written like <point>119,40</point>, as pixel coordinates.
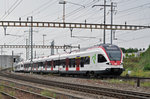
<point>101,58</point>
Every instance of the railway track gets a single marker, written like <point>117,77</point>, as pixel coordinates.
<point>5,95</point>
<point>87,89</point>
<point>18,93</point>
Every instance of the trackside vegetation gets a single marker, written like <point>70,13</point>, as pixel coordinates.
<point>138,66</point>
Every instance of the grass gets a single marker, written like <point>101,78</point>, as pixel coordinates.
<point>1,88</point>
<point>48,93</point>
<point>12,84</point>
<point>0,96</point>
<point>136,73</point>
<point>12,93</point>
<point>116,81</point>
<point>129,82</point>
<point>145,84</point>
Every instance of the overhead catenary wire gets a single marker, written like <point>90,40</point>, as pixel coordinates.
<point>12,9</point>
<point>8,11</point>
<point>43,6</point>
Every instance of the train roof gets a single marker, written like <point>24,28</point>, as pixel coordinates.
<point>72,53</point>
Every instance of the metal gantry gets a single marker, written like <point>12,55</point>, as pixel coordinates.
<point>70,25</point>
<point>39,46</point>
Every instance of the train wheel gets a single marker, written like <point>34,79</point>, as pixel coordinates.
<point>92,74</point>
<point>88,74</point>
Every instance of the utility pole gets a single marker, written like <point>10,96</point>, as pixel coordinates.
<point>12,60</point>
<point>43,38</point>
<point>35,54</point>
<point>63,2</point>
<point>1,50</point>
<point>31,37</point>
<point>27,50</point>
<point>104,19</point>
<point>104,41</point>
<point>52,47</point>
<point>112,11</point>
<point>111,20</point>
<point>28,42</point>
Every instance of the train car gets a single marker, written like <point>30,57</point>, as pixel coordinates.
<point>19,67</point>
<point>104,59</point>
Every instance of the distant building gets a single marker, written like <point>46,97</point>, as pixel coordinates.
<point>7,60</point>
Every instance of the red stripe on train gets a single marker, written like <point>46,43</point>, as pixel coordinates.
<point>67,64</point>
<point>115,62</point>
<point>78,63</point>
<point>52,63</point>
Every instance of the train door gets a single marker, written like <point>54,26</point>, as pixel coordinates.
<point>33,67</point>
<point>77,64</point>
<point>45,64</point>
<point>52,64</point>
<point>37,66</point>
<point>67,64</point>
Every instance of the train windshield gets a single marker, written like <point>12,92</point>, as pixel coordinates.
<point>113,52</point>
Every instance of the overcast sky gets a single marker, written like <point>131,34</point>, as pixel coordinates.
<point>133,12</point>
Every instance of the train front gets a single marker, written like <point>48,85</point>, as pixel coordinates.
<point>115,59</point>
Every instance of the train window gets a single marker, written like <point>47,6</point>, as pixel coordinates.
<point>54,63</point>
<point>74,62</point>
<point>101,58</point>
<point>87,60</point>
<point>28,65</point>
<point>82,62</point>
<point>40,63</point>
<point>57,62</point>
<point>49,64</point>
<point>63,63</point>
<point>44,64</point>
<point>34,65</point>
<point>70,62</point>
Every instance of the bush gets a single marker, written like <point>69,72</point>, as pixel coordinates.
<point>147,67</point>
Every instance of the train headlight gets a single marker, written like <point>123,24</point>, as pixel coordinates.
<point>108,63</point>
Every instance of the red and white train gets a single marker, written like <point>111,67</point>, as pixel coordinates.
<point>103,59</point>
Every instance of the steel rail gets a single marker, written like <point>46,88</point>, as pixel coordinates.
<point>8,95</point>
<point>83,88</point>
<point>27,92</point>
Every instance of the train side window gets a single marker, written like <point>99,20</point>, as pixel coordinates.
<point>63,63</point>
<point>70,62</point>
<point>57,62</point>
<point>74,62</point>
<point>54,63</point>
<point>82,62</point>
<point>87,60</point>
<point>40,64</point>
<point>101,58</point>
<point>44,64</point>
<point>48,63</point>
